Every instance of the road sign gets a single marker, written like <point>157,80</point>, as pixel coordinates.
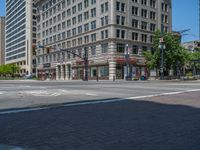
<point>161,40</point>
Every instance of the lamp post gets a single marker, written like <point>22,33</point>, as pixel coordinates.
<point>162,47</point>
<point>85,64</point>
<point>126,54</point>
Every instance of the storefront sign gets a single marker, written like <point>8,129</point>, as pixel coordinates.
<point>47,65</point>
<point>140,62</point>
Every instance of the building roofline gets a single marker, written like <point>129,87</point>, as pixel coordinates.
<point>192,41</point>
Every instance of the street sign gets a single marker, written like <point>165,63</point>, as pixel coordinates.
<point>161,40</point>
<point>161,69</point>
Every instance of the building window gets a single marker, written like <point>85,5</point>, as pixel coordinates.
<point>106,6</point>
<point>120,48</point>
<point>164,7</point>
<point>102,34</point>
<point>63,15</point>
<point>79,6</point>
<point>74,31</point>
<point>118,33</point>
<point>106,33</point>
<point>80,41</point>
<point>93,12</point>
<point>151,38</point>
<point>118,19</point>
<point>93,2</point>
<point>93,25</point>
<point>80,18</point>
<point>122,20</point>
<point>104,48</point>
<point>86,15</point>
<point>93,37</point>
<point>135,23</point>
<point>86,27</point>
<point>134,36</point>
<point>74,9</point>
<point>104,71</point>
<point>74,20</point>
<point>134,10</point>
<point>152,15</point>
<point>123,7</point>
<point>79,29</point>
<point>93,50</point>
<point>86,39</point>
<point>86,3</point>
<point>118,6</point>
<point>144,25</point>
<point>144,38</point>
<point>122,34</point>
<point>106,20</point>
<point>152,27</point>
<point>144,2</point>
<point>102,8</point>
<point>102,21</point>
<point>135,49</point>
<point>153,3</point>
<point>144,13</point>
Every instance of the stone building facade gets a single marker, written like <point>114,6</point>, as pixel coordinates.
<point>113,33</point>
<point>20,35</point>
<point>2,40</point>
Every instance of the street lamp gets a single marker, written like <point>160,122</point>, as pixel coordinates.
<point>127,55</point>
<point>162,47</point>
<point>85,64</point>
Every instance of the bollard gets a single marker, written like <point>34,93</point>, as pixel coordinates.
<point>113,78</point>
<point>97,79</point>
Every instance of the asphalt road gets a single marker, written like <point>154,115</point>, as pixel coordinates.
<point>117,115</point>
<point>18,94</point>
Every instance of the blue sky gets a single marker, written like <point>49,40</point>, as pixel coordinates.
<point>185,16</point>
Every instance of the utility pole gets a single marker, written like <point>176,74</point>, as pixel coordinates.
<point>127,58</point>
<point>85,64</point>
<point>199,19</point>
<point>162,47</point>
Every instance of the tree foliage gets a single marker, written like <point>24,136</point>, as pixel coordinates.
<point>9,69</point>
<point>174,53</point>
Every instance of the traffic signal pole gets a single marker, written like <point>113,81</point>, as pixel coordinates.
<point>85,65</point>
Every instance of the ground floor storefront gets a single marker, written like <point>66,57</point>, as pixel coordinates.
<point>44,74</point>
<point>105,71</point>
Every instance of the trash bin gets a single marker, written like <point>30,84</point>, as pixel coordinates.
<point>142,78</point>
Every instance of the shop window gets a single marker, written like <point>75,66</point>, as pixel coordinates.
<point>120,48</point>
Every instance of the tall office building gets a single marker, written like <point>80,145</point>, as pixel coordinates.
<point>2,40</point>
<point>112,33</point>
<point>20,35</point>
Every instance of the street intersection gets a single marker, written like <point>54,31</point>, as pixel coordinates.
<point>104,115</point>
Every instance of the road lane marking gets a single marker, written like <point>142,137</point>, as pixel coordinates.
<point>163,94</point>
<point>91,94</point>
<point>55,94</point>
<point>1,93</point>
<point>14,111</point>
<point>22,110</point>
<point>93,102</point>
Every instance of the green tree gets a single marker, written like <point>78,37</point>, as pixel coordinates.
<point>9,69</point>
<point>174,53</point>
